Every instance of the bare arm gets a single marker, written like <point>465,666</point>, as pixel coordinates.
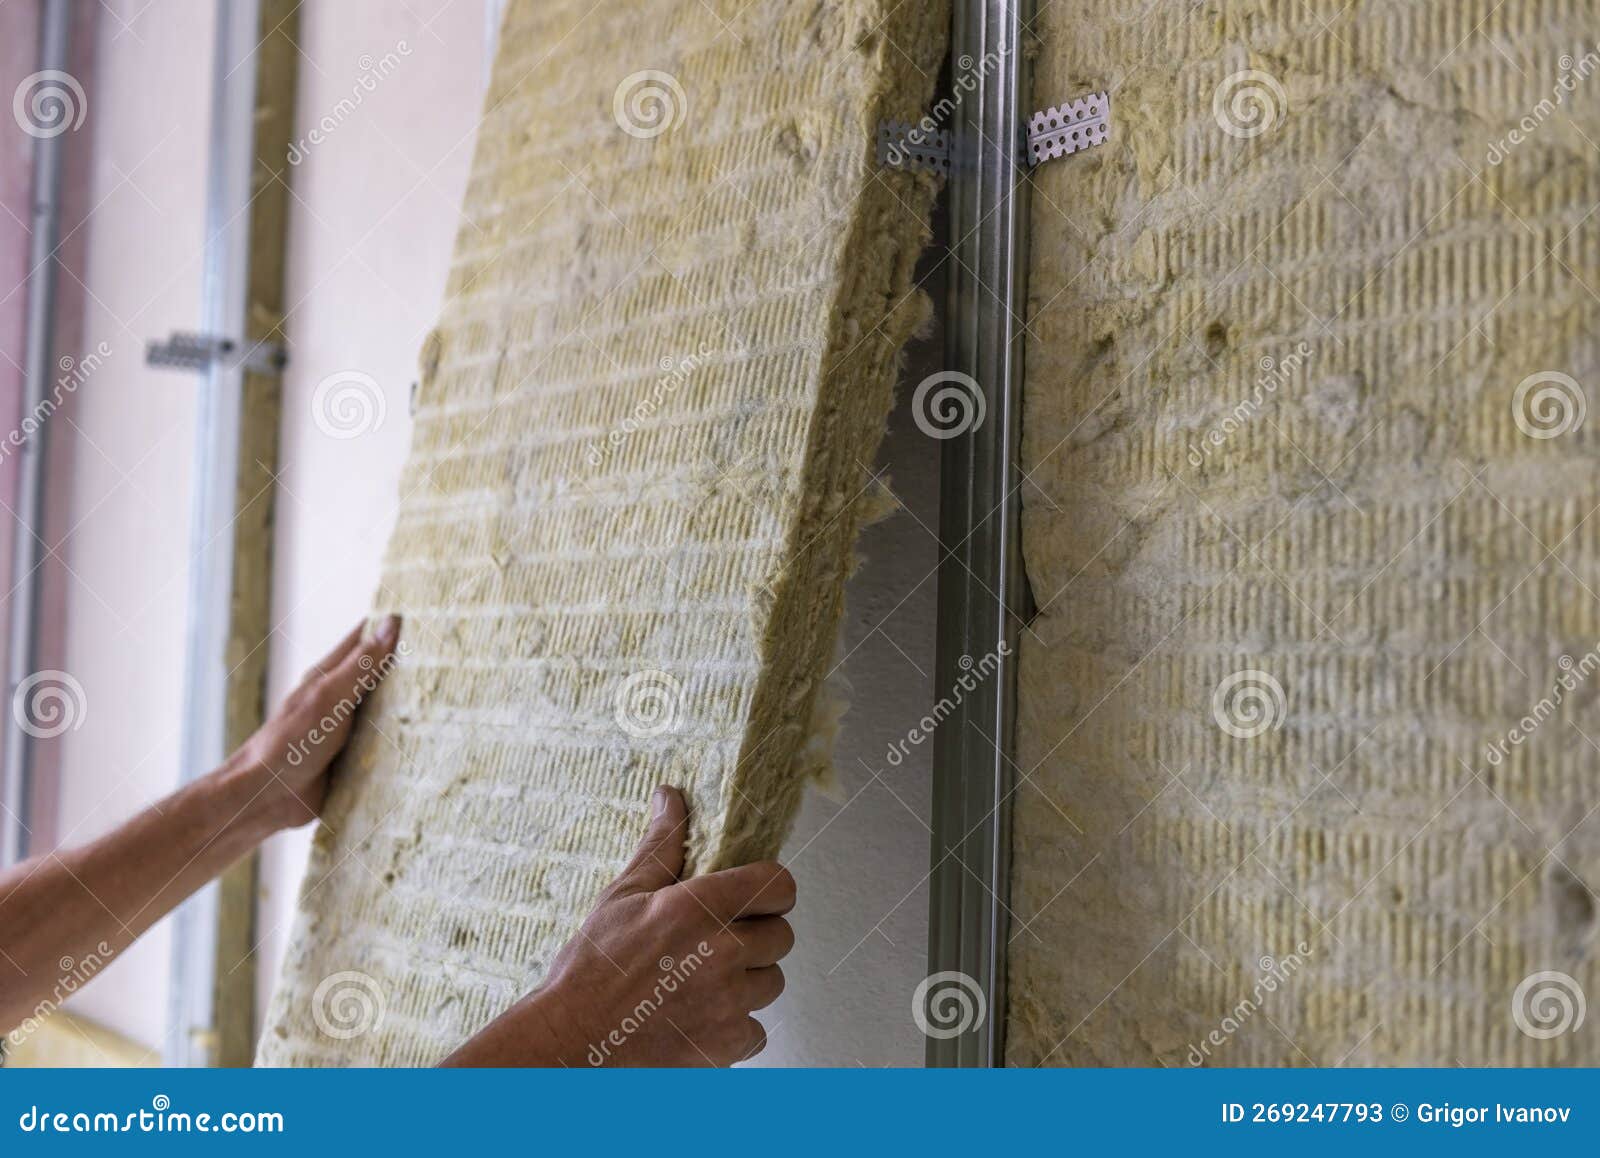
<point>664,971</point>
<point>98,898</point>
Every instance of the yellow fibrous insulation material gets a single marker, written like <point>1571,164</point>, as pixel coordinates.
<point>1306,765</point>
<point>680,289</point>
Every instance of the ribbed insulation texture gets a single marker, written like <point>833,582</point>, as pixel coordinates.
<point>644,427</point>
<point>1307,764</point>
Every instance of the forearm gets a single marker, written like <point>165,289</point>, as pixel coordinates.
<point>68,904</point>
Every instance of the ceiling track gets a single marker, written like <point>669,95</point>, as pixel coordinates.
<point>982,592</point>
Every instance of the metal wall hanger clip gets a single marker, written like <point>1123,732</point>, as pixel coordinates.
<point>1064,129</point>
<point>913,148</point>
<point>1057,131</point>
<point>199,352</point>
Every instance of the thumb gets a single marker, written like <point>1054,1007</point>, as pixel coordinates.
<point>659,860</point>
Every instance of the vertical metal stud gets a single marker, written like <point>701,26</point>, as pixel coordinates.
<point>191,1038</point>
<point>981,588</point>
<point>16,774</point>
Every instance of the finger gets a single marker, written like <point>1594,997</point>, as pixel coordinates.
<point>761,987</point>
<point>762,889</point>
<point>659,859</point>
<point>763,941</point>
<point>757,1039</point>
<point>341,649</point>
<point>366,663</point>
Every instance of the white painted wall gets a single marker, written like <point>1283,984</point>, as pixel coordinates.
<point>371,233</point>
<point>860,854</point>
<point>371,237</point>
<point>133,432</point>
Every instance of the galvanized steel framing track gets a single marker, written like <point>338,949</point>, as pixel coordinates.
<point>982,592</point>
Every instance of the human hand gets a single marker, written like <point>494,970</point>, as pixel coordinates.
<point>662,973</point>
<point>289,755</point>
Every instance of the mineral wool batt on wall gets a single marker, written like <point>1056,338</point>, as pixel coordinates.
<point>667,353</point>
<point>1308,762</point>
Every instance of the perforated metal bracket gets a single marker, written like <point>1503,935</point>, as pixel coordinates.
<point>1057,131</point>
<point>913,148</point>
<point>199,352</point>
<point>1064,129</point>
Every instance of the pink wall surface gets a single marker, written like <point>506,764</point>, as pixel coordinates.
<point>19,36</point>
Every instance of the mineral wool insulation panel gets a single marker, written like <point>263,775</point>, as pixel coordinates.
<point>1307,753</point>
<point>642,434</point>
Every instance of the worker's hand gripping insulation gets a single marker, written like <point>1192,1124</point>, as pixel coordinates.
<point>665,972</point>
<point>98,897</point>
